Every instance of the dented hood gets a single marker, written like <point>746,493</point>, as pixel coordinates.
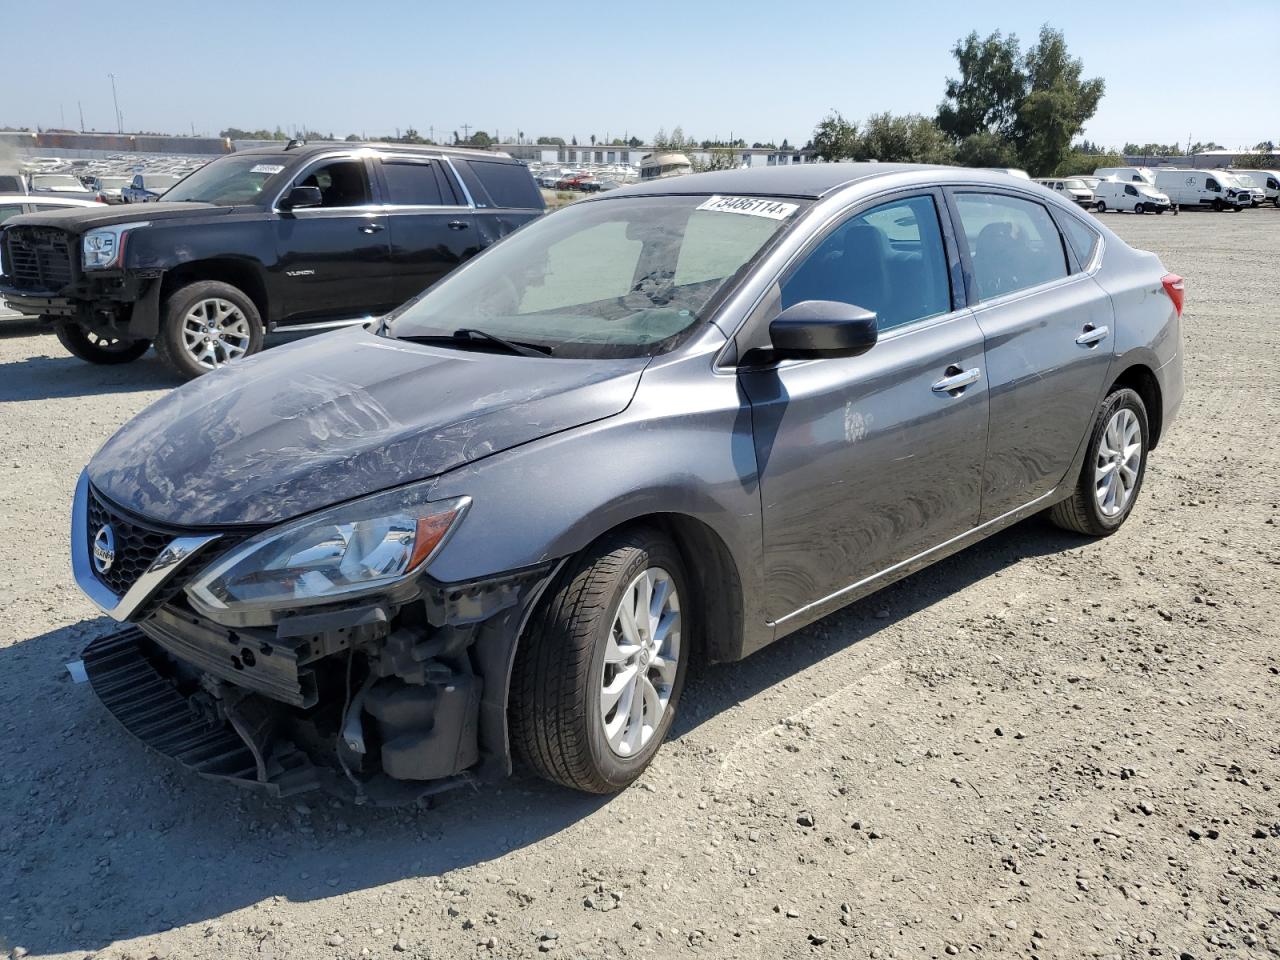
<point>339,416</point>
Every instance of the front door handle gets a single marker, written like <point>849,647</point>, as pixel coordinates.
<point>458,224</point>
<point>957,379</point>
<point>1092,335</point>
<point>371,228</point>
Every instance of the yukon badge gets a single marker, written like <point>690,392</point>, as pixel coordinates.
<point>104,548</point>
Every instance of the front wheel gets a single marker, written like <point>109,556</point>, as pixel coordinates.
<point>598,674</point>
<point>96,347</point>
<point>207,325</point>
<point>1139,208</point>
<point>1113,469</point>
<point>1217,206</point>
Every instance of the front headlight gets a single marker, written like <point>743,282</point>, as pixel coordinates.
<point>104,248</point>
<point>356,548</point>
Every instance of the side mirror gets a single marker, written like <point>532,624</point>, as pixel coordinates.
<point>300,197</point>
<point>813,329</point>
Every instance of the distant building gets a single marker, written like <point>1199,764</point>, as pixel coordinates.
<point>1208,160</point>
<point>631,156</point>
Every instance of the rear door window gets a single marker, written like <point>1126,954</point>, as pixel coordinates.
<point>508,184</point>
<point>9,210</point>
<point>1013,243</point>
<point>415,183</point>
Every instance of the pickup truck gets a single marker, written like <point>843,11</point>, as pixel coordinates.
<point>300,237</point>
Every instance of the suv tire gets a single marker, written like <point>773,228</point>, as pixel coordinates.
<point>575,649</point>
<point>94,348</point>
<point>206,325</point>
<point>1089,510</point>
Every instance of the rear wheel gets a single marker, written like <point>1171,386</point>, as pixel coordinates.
<point>207,325</point>
<point>1113,469</point>
<point>1100,207</point>
<point>598,674</point>
<point>96,347</point>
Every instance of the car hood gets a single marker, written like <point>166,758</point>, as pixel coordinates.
<point>338,416</point>
<point>83,219</point>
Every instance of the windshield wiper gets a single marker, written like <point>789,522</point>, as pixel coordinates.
<point>472,335</point>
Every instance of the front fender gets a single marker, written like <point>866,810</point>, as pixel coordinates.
<point>683,447</point>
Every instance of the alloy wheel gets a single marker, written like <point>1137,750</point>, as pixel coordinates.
<point>215,332</point>
<point>1117,463</point>
<point>641,659</point>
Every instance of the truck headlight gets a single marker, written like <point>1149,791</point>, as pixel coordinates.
<point>359,547</point>
<point>104,248</point>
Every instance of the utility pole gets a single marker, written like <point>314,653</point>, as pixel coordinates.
<point>81,109</point>
<point>116,101</point>
<point>431,133</point>
<point>466,131</point>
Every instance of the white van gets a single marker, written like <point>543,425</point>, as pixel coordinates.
<point>1268,181</point>
<point>1127,174</point>
<point>1072,188</point>
<point>1137,197</point>
<point>1256,194</point>
<point>1204,189</point>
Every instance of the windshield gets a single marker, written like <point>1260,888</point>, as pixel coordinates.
<point>625,277</point>
<point>113,182</point>
<point>228,181</point>
<point>1076,185</point>
<point>56,182</point>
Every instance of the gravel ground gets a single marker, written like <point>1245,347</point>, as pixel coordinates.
<point>1043,746</point>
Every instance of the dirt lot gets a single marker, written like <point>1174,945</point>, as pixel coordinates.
<point>1042,747</point>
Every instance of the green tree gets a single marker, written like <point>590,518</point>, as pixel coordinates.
<point>1058,103</point>
<point>551,141</point>
<point>718,158</point>
<point>903,139</point>
<point>1037,101</point>
<point>986,97</point>
<point>834,138</point>
<point>986,149</point>
<point>480,139</point>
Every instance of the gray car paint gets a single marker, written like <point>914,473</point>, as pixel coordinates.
<point>550,473</point>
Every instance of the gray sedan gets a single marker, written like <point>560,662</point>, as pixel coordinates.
<point>684,418</point>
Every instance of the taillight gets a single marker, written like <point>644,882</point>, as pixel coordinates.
<point>1174,287</point>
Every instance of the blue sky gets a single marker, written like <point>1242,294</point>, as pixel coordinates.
<point>758,70</point>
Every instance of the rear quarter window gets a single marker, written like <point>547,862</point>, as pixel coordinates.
<point>1083,240</point>
<point>508,184</point>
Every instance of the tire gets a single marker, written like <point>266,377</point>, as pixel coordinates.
<point>1159,211</point>
<point>1101,207</point>
<point>1236,209</point>
<point>93,348</point>
<point>1217,205</point>
<point>1139,208</point>
<point>557,725</point>
<point>1086,511</point>
<point>231,320</point>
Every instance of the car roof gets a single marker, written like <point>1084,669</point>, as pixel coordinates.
<point>312,149</point>
<point>804,180</point>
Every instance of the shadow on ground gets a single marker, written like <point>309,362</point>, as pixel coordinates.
<point>102,840</point>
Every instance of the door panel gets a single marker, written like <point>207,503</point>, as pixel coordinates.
<point>432,231</point>
<point>333,263</point>
<point>862,463</point>
<point>1048,343</point>
<point>1044,387</point>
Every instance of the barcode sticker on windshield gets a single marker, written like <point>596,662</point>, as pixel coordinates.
<point>272,168</point>
<point>751,206</point>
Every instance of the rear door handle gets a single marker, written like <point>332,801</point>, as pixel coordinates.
<point>371,228</point>
<point>957,379</point>
<point>1092,335</point>
<point>458,224</point>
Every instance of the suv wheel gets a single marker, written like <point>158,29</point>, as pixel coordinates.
<point>207,325</point>
<point>1113,470</point>
<point>599,671</point>
<point>96,348</point>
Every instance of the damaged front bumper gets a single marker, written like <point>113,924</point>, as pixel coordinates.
<point>379,701</point>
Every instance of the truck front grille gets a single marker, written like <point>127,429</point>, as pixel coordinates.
<point>38,258</point>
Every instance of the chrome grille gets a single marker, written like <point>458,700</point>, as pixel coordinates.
<point>38,258</point>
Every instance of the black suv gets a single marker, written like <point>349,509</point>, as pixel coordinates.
<point>302,237</point>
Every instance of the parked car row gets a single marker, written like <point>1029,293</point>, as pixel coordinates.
<point>1216,189</point>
